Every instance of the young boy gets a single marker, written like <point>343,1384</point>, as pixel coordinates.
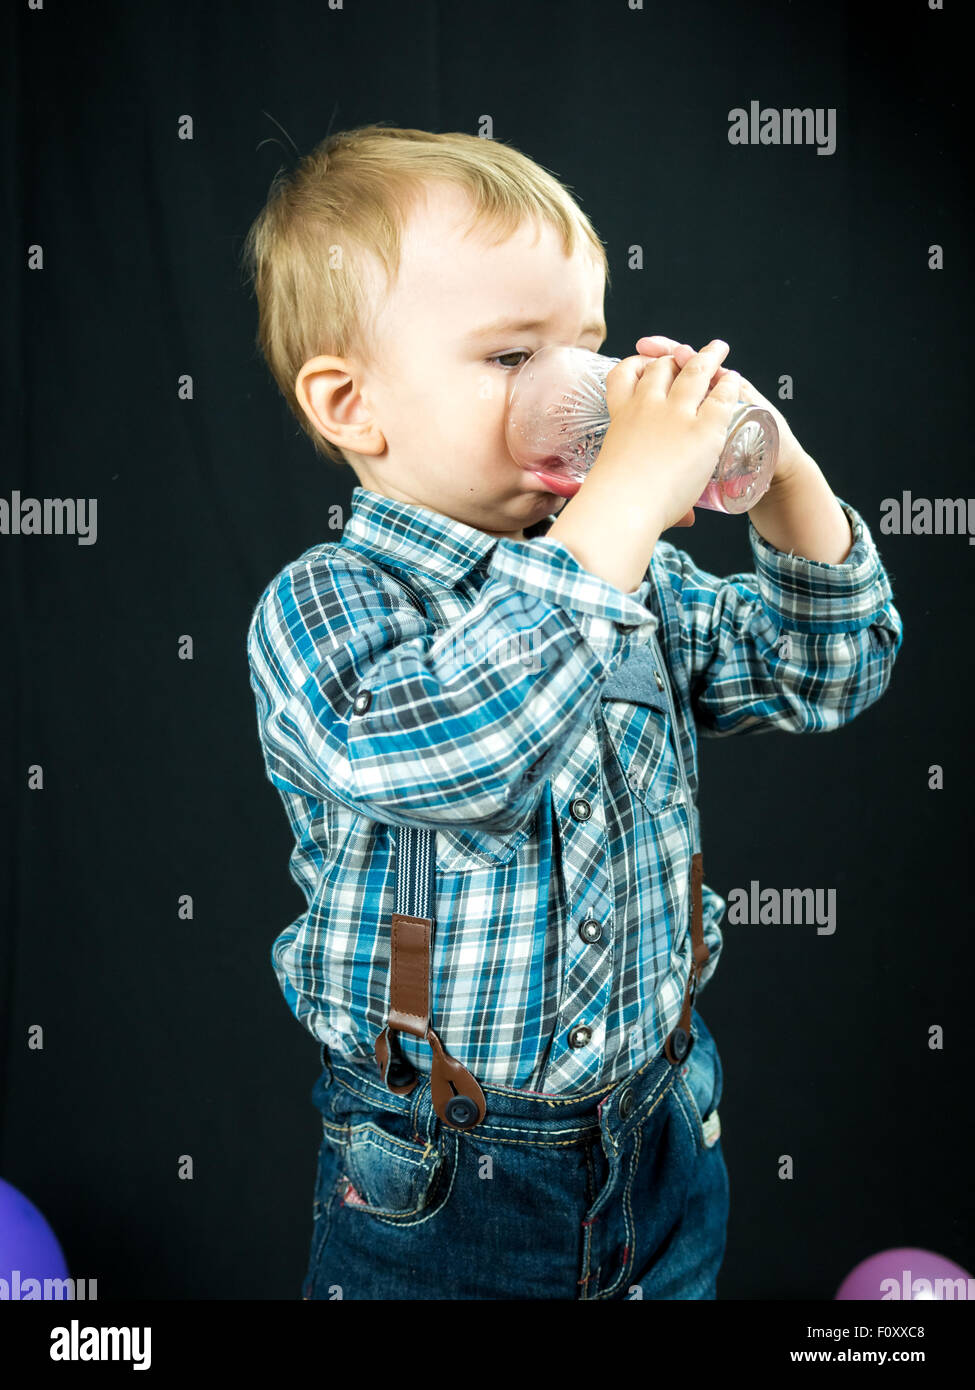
<point>521,1102</point>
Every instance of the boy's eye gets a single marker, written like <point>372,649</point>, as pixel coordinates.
<point>501,356</point>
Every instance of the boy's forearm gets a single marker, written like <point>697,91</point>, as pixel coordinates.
<point>608,540</point>
<point>802,515</point>
<point>799,515</point>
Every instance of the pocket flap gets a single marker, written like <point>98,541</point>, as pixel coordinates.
<point>633,680</point>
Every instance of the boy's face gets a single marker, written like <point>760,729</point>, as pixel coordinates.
<point>438,388</point>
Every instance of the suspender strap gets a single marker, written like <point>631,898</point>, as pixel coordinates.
<point>679,1042</point>
<point>457,1098</point>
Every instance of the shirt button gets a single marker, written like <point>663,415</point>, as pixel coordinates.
<point>658,678</point>
<point>362,701</point>
<point>591,930</point>
<point>581,809</point>
<point>626,1102</point>
<point>580,1036</point>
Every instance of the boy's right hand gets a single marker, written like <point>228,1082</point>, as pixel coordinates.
<point>667,429</point>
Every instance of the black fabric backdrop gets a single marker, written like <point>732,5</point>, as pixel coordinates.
<point>165,1036</point>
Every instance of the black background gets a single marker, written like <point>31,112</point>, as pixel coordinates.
<point>165,1037</point>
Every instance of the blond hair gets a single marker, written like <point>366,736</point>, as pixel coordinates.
<point>309,250</point>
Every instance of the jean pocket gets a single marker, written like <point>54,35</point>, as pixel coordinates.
<point>385,1168</point>
<point>701,1084</point>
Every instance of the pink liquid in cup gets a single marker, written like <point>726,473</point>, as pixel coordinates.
<point>557,417</point>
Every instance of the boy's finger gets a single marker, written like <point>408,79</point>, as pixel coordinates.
<point>684,354</point>
<point>691,386</point>
<point>652,375</point>
<point>655,344</point>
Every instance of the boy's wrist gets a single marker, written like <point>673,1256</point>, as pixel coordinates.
<point>803,517</point>
<point>793,463</point>
<point>620,557</point>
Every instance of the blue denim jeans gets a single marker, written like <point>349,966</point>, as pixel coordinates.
<point>621,1193</point>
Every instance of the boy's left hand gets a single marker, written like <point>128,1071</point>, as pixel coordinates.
<point>791,452</point>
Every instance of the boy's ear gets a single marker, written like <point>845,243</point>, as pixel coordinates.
<point>328,392</point>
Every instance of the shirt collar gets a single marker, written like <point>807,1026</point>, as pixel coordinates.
<point>416,538</point>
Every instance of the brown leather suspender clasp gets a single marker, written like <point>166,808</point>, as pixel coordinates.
<point>457,1098</point>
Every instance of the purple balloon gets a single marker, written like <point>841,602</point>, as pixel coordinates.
<point>29,1248</point>
<point>907,1273</point>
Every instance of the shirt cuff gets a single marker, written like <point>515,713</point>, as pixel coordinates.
<point>549,570</point>
<point>815,596</point>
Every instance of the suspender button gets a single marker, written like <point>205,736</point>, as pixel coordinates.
<point>400,1072</point>
<point>461,1111</point>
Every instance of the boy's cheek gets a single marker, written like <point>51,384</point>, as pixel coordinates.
<point>491,388</point>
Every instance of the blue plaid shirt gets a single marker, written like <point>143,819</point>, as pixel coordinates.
<point>527,718</point>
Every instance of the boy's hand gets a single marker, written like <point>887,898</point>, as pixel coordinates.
<point>668,425</point>
<point>791,452</point>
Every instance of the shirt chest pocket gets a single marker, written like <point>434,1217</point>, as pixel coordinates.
<point>460,850</point>
<point>636,716</point>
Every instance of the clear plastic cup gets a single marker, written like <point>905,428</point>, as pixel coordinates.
<point>557,417</point>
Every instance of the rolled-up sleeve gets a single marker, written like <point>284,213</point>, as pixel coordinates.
<point>795,644</point>
<point>364,700</point>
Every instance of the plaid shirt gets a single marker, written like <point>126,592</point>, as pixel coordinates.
<point>526,717</point>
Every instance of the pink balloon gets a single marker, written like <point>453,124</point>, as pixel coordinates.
<point>907,1273</point>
